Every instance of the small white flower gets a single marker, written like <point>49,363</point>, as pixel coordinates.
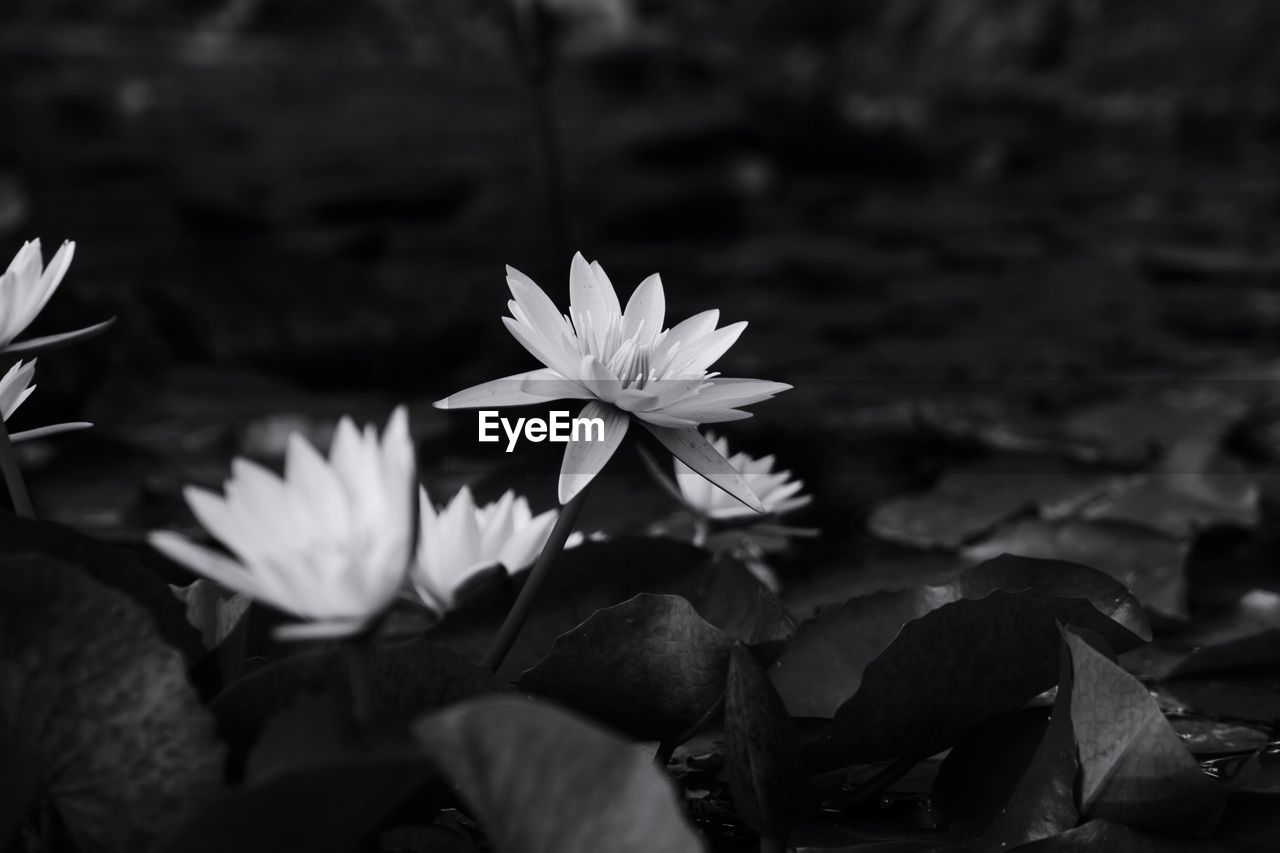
<point>462,540</point>
<point>15,387</point>
<point>27,285</point>
<point>329,543</point>
<point>778,492</point>
<point>626,365</point>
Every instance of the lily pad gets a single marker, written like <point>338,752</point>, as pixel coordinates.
<point>763,750</point>
<point>1244,639</point>
<point>650,666</point>
<point>118,568</point>
<point>97,708</point>
<point>1146,561</point>
<point>888,669</point>
<point>1134,769</point>
<point>1117,838</point>
<point>596,575</point>
<point>406,679</point>
<point>972,499</point>
<point>522,767</point>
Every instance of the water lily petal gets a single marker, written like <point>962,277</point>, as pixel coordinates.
<point>64,339</point>
<point>591,296</point>
<point>699,354</point>
<point>584,459</point>
<point>498,393</point>
<point>328,629</point>
<point>645,309</point>
<point>694,450</point>
<point>730,394</point>
<point>48,431</point>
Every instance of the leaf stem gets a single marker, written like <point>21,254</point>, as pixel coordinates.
<point>13,475</point>
<point>523,606</point>
<point>358,650</point>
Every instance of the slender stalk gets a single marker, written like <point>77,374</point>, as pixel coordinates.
<point>538,575</point>
<point>359,653</point>
<point>13,475</point>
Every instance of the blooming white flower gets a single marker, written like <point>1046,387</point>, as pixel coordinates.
<point>461,540</point>
<point>778,492</point>
<point>27,285</point>
<point>330,542</point>
<point>627,366</point>
<point>15,387</point>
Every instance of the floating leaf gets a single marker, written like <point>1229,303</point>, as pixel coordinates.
<point>1246,638</point>
<point>117,568</point>
<point>1133,767</point>
<point>1044,803</point>
<point>332,808</point>
<point>601,574</point>
<point>650,666</point>
<point>406,680</point>
<point>889,670</point>
<point>541,780</point>
<point>100,707</point>
<point>766,776</point>
<point>1117,838</point>
<point>1146,561</point>
<point>970,500</point>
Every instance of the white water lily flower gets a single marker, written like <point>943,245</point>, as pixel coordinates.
<point>329,543</point>
<point>27,285</point>
<point>461,540</point>
<point>15,387</point>
<point>626,365</point>
<point>777,491</point>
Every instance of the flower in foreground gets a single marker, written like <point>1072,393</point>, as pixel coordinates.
<point>461,540</point>
<point>626,365</point>
<point>330,542</point>
<point>778,492</point>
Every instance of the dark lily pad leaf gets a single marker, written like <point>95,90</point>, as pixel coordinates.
<point>980,773</point>
<point>1133,767</point>
<point>1249,823</point>
<point>99,707</point>
<point>824,664</point>
<point>407,679</point>
<point>877,567</point>
<point>117,568</point>
<point>328,808</point>
<point>520,765</point>
<point>1044,803</point>
<point>1241,697</point>
<point>889,670</point>
<point>763,754</point>
<point>601,574</point>
<point>1116,838</point>
<point>1163,421</point>
<point>1146,561</point>
<point>1244,639</point>
<point>971,500</point>
<point>1210,738</point>
<point>650,666</point>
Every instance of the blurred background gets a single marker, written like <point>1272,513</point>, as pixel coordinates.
<point>302,208</point>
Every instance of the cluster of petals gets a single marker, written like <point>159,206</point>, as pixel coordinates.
<point>626,365</point>
<point>461,540</point>
<point>778,491</point>
<point>330,542</point>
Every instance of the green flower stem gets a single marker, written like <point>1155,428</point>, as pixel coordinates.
<point>358,650</point>
<point>520,611</point>
<point>13,475</point>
